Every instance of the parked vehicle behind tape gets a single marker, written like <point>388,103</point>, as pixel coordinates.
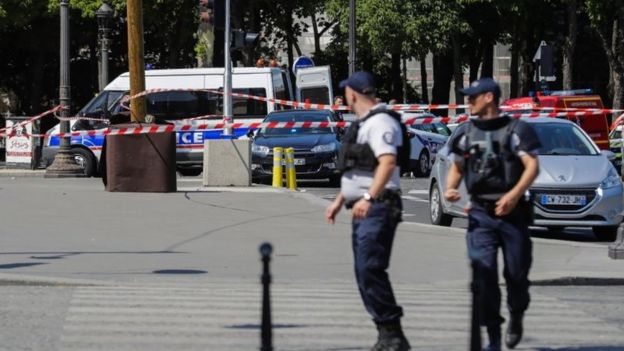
<point>175,106</point>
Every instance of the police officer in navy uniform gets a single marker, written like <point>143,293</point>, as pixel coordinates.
<point>370,187</point>
<point>497,157</point>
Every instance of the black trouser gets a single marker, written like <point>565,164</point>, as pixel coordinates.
<point>486,233</point>
<point>372,245</point>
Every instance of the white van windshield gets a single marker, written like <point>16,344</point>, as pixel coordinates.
<point>105,101</point>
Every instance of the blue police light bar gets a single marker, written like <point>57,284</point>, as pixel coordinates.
<point>570,92</point>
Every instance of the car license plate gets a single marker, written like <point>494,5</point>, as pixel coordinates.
<point>563,200</point>
<point>297,162</point>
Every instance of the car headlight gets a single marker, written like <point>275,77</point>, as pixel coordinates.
<point>259,150</point>
<point>324,148</point>
<point>613,179</point>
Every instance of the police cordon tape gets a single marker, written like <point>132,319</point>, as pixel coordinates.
<point>395,107</point>
<point>31,119</point>
<point>200,126</point>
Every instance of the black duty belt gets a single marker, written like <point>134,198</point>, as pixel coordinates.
<point>388,196</point>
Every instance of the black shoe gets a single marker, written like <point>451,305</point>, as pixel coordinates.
<point>391,338</point>
<point>514,330</point>
<point>494,336</point>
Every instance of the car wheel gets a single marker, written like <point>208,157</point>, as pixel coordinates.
<point>605,233</point>
<point>436,212</point>
<point>86,161</point>
<point>423,167</point>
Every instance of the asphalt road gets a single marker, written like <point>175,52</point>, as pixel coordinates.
<point>416,209</point>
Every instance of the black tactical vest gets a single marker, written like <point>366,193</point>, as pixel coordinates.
<point>491,168</point>
<point>360,156</point>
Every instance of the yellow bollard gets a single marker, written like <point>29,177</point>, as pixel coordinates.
<point>291,175</point>
<point>277,167</point>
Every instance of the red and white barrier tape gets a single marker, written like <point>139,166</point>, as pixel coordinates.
<point>200,126</point>
<point>396,107</point>
<point>32,119</point>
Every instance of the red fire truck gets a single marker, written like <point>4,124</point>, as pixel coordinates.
<point>595,125</point>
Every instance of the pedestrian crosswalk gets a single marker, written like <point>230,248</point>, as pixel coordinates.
<point>307,316</point>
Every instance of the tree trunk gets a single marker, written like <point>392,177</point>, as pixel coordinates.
<point>424,86</point>
<point>404,75</point>
<point>569,46</point>
<point>396,90</point>
<point>618,89</point>
<point>526,69</point>
<point>488,61</point>
<point>475,62</point>
<point>458,72</point>
<point>442,77</point>
<point>317,36</point>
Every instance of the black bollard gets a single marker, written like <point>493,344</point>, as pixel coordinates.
<point>475,322</point>
<point>266,337</point>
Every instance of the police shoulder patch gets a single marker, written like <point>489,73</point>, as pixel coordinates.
<point>388,137</point>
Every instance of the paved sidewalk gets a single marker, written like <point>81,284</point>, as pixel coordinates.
<point>132,271</point>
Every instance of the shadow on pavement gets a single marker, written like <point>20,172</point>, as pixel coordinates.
<point>20,265</point>
<point>568,234</point>
<point>179,271</point>
<point>258,326</point>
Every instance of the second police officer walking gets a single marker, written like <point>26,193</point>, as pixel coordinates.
<point>373,150</point>
<point>497,158</point>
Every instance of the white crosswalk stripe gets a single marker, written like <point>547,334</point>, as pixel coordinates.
<point>307,316</point>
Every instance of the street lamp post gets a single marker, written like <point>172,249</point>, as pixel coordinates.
<point>104,15</point>
<point>64,164</point>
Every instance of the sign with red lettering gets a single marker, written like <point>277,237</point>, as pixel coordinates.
<point>19,143</point>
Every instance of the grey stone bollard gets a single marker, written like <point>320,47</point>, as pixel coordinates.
<point>616,249</point>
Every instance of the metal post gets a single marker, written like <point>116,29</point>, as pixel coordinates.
<point>266,337</point>
<point>104,54</point>
<point>352,40</point>
<point>104,15</point>
<point>227,77</point>
<point>475,321</point>
<point>64,164</point>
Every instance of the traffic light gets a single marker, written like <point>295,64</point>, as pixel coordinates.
<point>242,39</point>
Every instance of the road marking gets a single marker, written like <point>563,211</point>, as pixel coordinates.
<point>414,198</point>
<point>418,192</point>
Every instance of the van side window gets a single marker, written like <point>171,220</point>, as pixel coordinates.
<point>247,107</point>
<point>175,105</point>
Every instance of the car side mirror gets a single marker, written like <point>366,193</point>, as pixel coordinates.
<point>251,134</point>
<point>609,154</point>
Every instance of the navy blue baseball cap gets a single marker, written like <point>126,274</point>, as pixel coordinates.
<point>483,85</point>
<point>362,82</point>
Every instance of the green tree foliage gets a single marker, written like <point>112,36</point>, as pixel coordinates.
<point>607,19</point>
<point>459,33</point>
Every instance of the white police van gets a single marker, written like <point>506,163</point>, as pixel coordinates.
<point>426,140</point>
<point>177,105</point>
